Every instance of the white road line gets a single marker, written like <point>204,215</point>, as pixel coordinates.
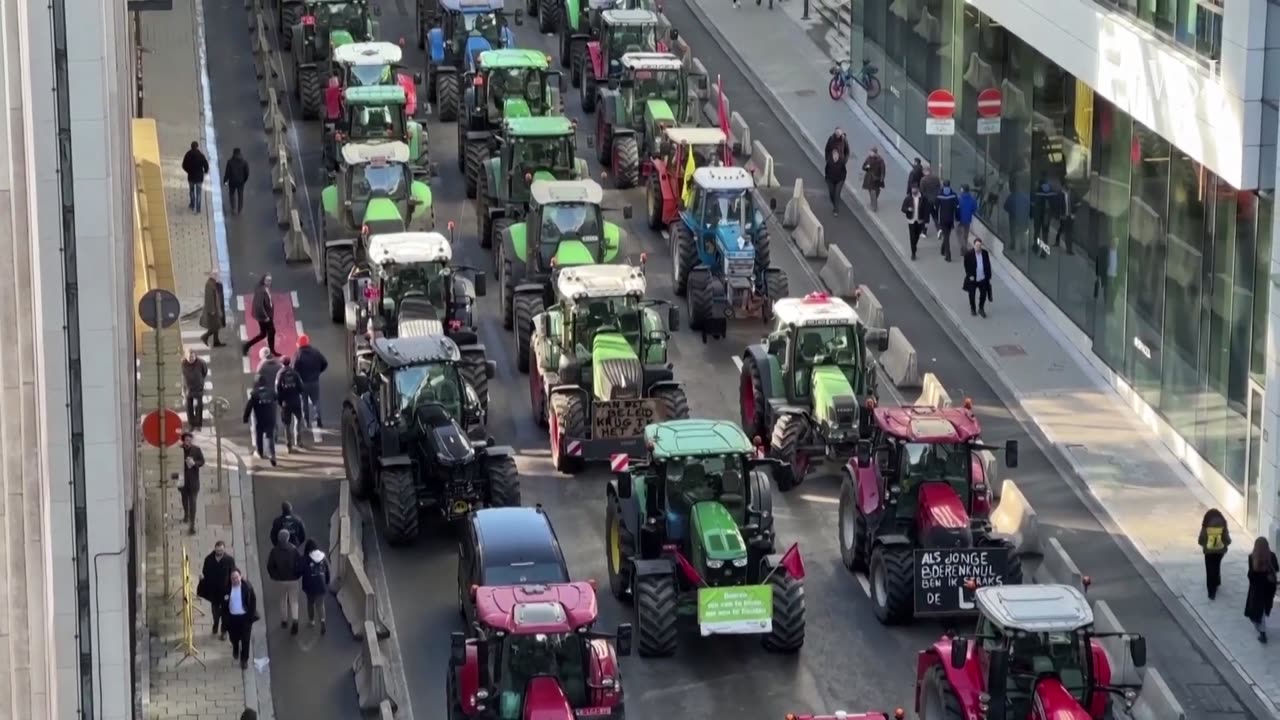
<point>244,333</point>
<point>737,362</point>
<point>820,499</point>
<point>297,325</point>
<point>240,303</point>
<point>244,362</point>
<point>864,583</point>
<point>294,296</point>
<point>317,435</point>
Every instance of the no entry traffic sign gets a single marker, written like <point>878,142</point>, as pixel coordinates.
<point>989,102</point>
<point>941,104</point>
<point>162,428</point>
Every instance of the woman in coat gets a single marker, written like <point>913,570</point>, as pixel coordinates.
<point>214,315</point>
<point>1263,567</point>
<point>1214,540</point>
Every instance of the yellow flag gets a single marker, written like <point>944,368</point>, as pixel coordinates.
<point>687,195</point>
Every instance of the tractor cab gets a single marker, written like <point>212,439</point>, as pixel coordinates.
<point>536,655</point>
<point>626,31</point>
<point>654,93</point>
<point>603,311</point>
<point>535,148</point>
<point>474,26</point>
<point>679,148</point>
<point>376,187</point>
<point>411,381</point>
<point>374,114</point>
<point>414,290</point>
<point>329,25</point>
<point>820,344</point>
<point>374,64</point>
<point>566,226</point>
<point>512,84</point>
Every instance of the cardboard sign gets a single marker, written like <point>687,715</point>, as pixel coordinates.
<point>941,576</point>
<point>743,610</point>
<point>615,419</point>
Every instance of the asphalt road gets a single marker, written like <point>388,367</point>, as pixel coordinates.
<point>849,661</point>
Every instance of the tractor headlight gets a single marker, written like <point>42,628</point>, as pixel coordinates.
<point>715,564</point>
<point>740,562</point>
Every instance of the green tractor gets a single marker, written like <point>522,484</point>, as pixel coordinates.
<point>651,96</point>
<point>324,26</point>
<point>505,84</point>
<point>808,390</point>
<point>378,114</point>
<point>689,534</point>
<point>579,21</point>
<point>374,193</point>
<point>598,370</point>
<point>529,149</point>
<point>374,64</point>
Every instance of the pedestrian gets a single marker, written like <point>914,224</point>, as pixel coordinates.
<point>194,373</point>
<point>977,277</point>
<point>930,188</point>
<point>213,316</point>
<point>269,367</point>
<point>196,166</point>
<point>947,208</point>
<point>215,581</point>
<point>284,568</point>
<point>264,311</point>
<point>241,603</point>
<point>310,364</point>
<point>1066,210</point>
<point>873,172</point>
<point>837,167</point>
<point>1262,586</point>
<point>916,209</point>
<point>235,177</point>
<point>289,393</point>
<point>966,209</point>
<point>261,406</point>
<point>192,461</point>
<point>286,520</point>
<point>249,714</point>
<point>315,582</point>
<point>916,174</point>
<point>1214,540</point>
<point>1042,210</point>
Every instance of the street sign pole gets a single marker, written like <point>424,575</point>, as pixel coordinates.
<point>158,334</point>
<point>219,410</point>
<point>940,107</point>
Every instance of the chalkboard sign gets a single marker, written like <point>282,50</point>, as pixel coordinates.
<point>941,576</point>
<point>617,419</point>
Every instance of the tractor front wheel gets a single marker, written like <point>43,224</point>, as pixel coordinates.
<point>527,307</point>
<point>548,16</point>
<point>789,433</point>
<point>653,203</point>
<point>447,94</point>
<point>577,61</point>
<point>892,581</point>
<point>477,152</point>
<point>762,250</point>
<point>399,498</point>
<point>626,162</point>
<point>504,482</point>
<point>474,372</point>
<point>853,529</point>
<point>938,700</point>
<point>700,299</point>
<point>787,635</point>
<point>656,603</point>
<point>684,256</point>
<point>588,89</point>
<point>290,15</point>
<point>672,402</point>
<point>752,403</point>
<point>566,43</point>
<point>310,93</point>
<point>568,419</point>
<point>620,547</point>
<point>776,288</point>
<point>354,456</point>
<point>338,263</point>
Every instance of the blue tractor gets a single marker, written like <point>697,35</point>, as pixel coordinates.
<point>720,251</point>
<point>454,33</point>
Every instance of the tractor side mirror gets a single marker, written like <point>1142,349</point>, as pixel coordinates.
<point>623,641</point>
<point>878,338</point>
<point>1011,454</point>
<point>674,34</point>
<point>1138,650</point>
<point>673,318</point>
<point>624,484</point>
<point>481,284</point>
<point>457,649</point>
<point>519,17</point>
<point>490,369</point>
<point>864,454</point>
<point>627,211</point>
<point>959,652</point>
<point>773,204</point>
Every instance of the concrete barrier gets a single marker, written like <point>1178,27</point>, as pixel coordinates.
<point>868,307</point>
<point>711,108</point>
<point>386,711</point>
<point>1156,701</point>
<point>664,26</point>
<point>899,361</point>
<point>740,132</point>
<point>811,238</point>
<point>932,394</point>
<point>370,671</point>
<point>296,246</point>
<point>791,213</point>
<point>273,121</point>
<point>1016,520</point>
<point>701,82</point>
<point>681,49</point>
<point>1058,567</point>
<point>1123,671</point>
<point>760,164</point>
<point>989,469</point>
<point>357,599</point>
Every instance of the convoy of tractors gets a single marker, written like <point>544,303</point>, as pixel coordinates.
<point>690,540</point>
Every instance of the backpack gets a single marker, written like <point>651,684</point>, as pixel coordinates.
<point>262,393</point>
<point>289,381</point>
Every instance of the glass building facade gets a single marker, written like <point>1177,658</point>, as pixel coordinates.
<point>1163,265</point>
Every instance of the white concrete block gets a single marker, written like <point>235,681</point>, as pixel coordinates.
<point>811,238</point>
<point>741,133</point>
<point>1156,701</point>
<point>1123,671</point>
<point>1058,567</point>
<point>760,165</point>
<point>868,307</point>
<point>790,214</point>
<point>1015,519</point>
<point>932,394</point>
<point>899,361</point>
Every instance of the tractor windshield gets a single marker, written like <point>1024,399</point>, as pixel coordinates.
<point>484,25</point>
<point>694,480</point>
<point>610,315</point>
<point>822,345</point>
<point>524,657</point>
<point>1033,655</point>
<point>569,221</point>
<point>632,38</point>
<point>377,122</point>
<point>659,85</point>
<point>363,75</point>
<point>427,279</point>
<point>932,462</point>
<point>544,153</point>
<point>727,206</point>
<point>373,180</point>
<point>431,384</point>
<point>340,16</point>
<point>517,82</point>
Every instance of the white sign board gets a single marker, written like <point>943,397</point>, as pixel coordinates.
<point>940,126</point>
<point>989,126</point>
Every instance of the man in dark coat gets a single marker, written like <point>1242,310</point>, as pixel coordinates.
<point>917,211</point>
<point>286,520</point>
<point>264,311</point>
<point>192,461</point>
<point>1043,208</point>
<point>914,177</point>
<point>262,408</point>
<point>196,166</point>
<point>285,570</point>
<point>931,188</point>
<point>215,580</point>
<point>241,612</point>
<point>213,317</point>
<point>836,170</point>
<point>977,277</point>
<point>289,393</point>
<point>194,373</point>
<point>235,177</point>
<point>310,364</point>
<point>1067,204</point>
<point>873,172</point>
<point>945,211</point>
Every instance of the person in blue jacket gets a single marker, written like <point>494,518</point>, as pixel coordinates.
<point>967,210</point>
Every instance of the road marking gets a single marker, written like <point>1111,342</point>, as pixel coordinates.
<point>864,583</point>
<point>240,303</point>
<point>317,435</point>
<point>820,499</point>
<point>244,333</point>
<point>737,362</point>
<point>297,324</point>
<point>244,364</point>
<point>294,296</point>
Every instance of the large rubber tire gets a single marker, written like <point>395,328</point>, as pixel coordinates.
<point>399,500</point>
<point>474,373</point>
<point>672,403</point>
<point>566,43</point>
<point>653,203</point>
<point>892,583</point>
<point>571,417</point>
<point>937,698</point>
<point>506,291</point>
<point>337,263</point>
<point>684,256</point>
<point>310,93</point>
<point>762,250</point>
<point>548,16</point>
<point>496,229</point>
<point>484,223</point>
<point>656,601</point>
<point>776,288</point>
<point>290,15</point>
<point>788,433</point>
<point>626,161</point>
<point>700,301</point>
<point>477,153</point>
<point>588,90</point>
<point>755,422</point>
<point>354,458</point>
<point>788,614</point>
<point>617,559</point>
<point>854,539</point>
<point>448,97</point>
<point>577,62</point>
<point>504,482</point>
<point>526,306</point>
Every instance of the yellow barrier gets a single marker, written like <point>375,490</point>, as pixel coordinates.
<point>152,256</point>
<point>188,643</point>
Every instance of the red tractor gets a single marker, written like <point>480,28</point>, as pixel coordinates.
<point>1034,656</point>
<point>536,656</point>
<point>898,714</point>
<point>665,185</point>
<point>595,62</point>
<point>914,508</point>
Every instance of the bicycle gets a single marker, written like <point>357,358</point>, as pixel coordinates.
<point>842,76</point>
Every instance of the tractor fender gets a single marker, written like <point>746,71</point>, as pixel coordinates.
<point>491,180</point>
<point>620,131</point>
<point>472,347</point>
<point>762,491</point>
<point>340,243</point>
<point>597,59</point>
<point>570,390</point>
<point>658,566</point>
<point>390,443</point>
<point>496,451</point>
<point>893,540</point>
<point>435,41</point>
<point>364,414</point>
<point>967,682</point>
<point>628,509</point>
<point>394,461</point>
<point>469,679</point>
<point>865,483</point>
<point>534,288</point>
<point>664,384</point>
<point>463,336</point>
<point>610,104</point>
<point>580,169</point>
<point>478,135</point>
<point>299,41</point>
<point>508,37</point>
<point>770,371</point>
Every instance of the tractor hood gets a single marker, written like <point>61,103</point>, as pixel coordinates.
<point>516,107</point>
<point>544,699</point>
<point>475,45</point>
<point>451,444</point>
<point>543,175</point>
<point>730,235</point>
<point>382,215</point>
<point>616,372</point>
<point>1055,702</point>
<point>716,531</point>
<point>573,252</point>
<point>833,398</point>
<point>338,38</point>
<point>658,111</point>
<point>941,518</point>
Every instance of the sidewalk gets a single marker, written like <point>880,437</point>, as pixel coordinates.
<point>1131,474</point>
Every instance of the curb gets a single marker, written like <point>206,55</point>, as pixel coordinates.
<point>257,685</point>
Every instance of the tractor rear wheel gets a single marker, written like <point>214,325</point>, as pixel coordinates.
<point>354,456</point>
<point>527,307</point>
<point>577,61</point>
<point>566,42</point>
<point>789,433</point>
<point>588,88</point>
<point>787,635</point>
<point>672,403</point>
<point>504,482</point>
<point>853,529</point>
<point>569,419</point>
<point>762,250</point>
<point>684,256</point>
<point>752,404</point>
<point>938,700</point>
<point>310,93</point>
<point>620,547</point>
<point>473,370</point>
<point>337,263</point>
<point>548,16</point>
<point>656,604</point>
<point>892,581</point>
<point>626,162</point>
<point>507,282</point>
<point>653,203</point>
<point>700,300</point>
<point>290,15</point>
<point>477,153</point>
<point>399,498</point>
<point>447,94</point>
<point>776,288</point>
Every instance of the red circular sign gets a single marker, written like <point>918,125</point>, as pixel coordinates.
<point>941,104</point>
<point>989,102</point>
<point>172,428</point>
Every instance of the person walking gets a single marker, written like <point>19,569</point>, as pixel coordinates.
<point>215,581</point>
<point>284,569</point>
<point>310,364</point>
<point>241,603</point>
<point>1042,210</point>
<point>269,367</point>
<point>286,520</point>
<point>192,461</point>
<point>837,167</point>
<point>916,174</point>
<point>315,582</point>
<point>235,177</point>
<point>196,166</point>
<point>1067,204</point>
<point>966,209</point>
<point>261,406</point>
<point>931,188</point>
<point>1017,206</point>
<point>213,316</point>
<point>1263,568</point>
<point>194,373</point>
<point>1214,540</point>
<point>873,172</point>
<point>916,209</point>
<point>264,311</point>
<point>948,206</point>
<point>289,393</point>
<point>977,277</point>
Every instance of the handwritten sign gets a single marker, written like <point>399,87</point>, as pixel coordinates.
<point>615,419</point>
<point>941,576</point>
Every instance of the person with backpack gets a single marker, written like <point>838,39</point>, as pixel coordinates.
<point>289,393</point>
<point>286,520</point>
<point>314,569</point>
<point>1214,540</point>
<point>262,408</point>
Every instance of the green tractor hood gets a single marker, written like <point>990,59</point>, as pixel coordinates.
<point>573,252</point>
<point>338,38</point>
<point>657,111</point>
<point>616,373</point>
<point>516,107</point>
<point>715,534</point>
<point>829,382</point>
<point>383,215</point>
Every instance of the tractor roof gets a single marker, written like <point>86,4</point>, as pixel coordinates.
<point>630,17</point>
<point>583,282</point>
<point>374,95</point>
<point>680,438</point>
<point>375,153</point>
<point>724,178</point>
<point>1035,608</point>
<point>551,192</point>
<point>696,136</point>
<point>929,425</point>
<point>546,126</point>
<point>472,6</point>
<point>513,58</point>
<point>407,351</point>
<point>531,609</point>
<point>814,309</point>
<point>368,53</point>
<point>651,61</point>
<point>409,248</point>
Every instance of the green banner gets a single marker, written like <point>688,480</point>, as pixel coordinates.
<point>741,610</point>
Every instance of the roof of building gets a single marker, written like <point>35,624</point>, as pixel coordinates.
<point>682,438</point>
<point>375,152</point>
<point>407,351</point>
<point>651,61</point>
<point>696,136</point>
<point>583,282</point>
<point>545,126</point>
<point>513,58</point>
<point>1035,608</point>
<point>368,53</point>
<point>550,192</point>
<point>409,248</point>
<point>814,309</point>
<point>630,17</point>
<point>374,95</point>
<point>723,178</point>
